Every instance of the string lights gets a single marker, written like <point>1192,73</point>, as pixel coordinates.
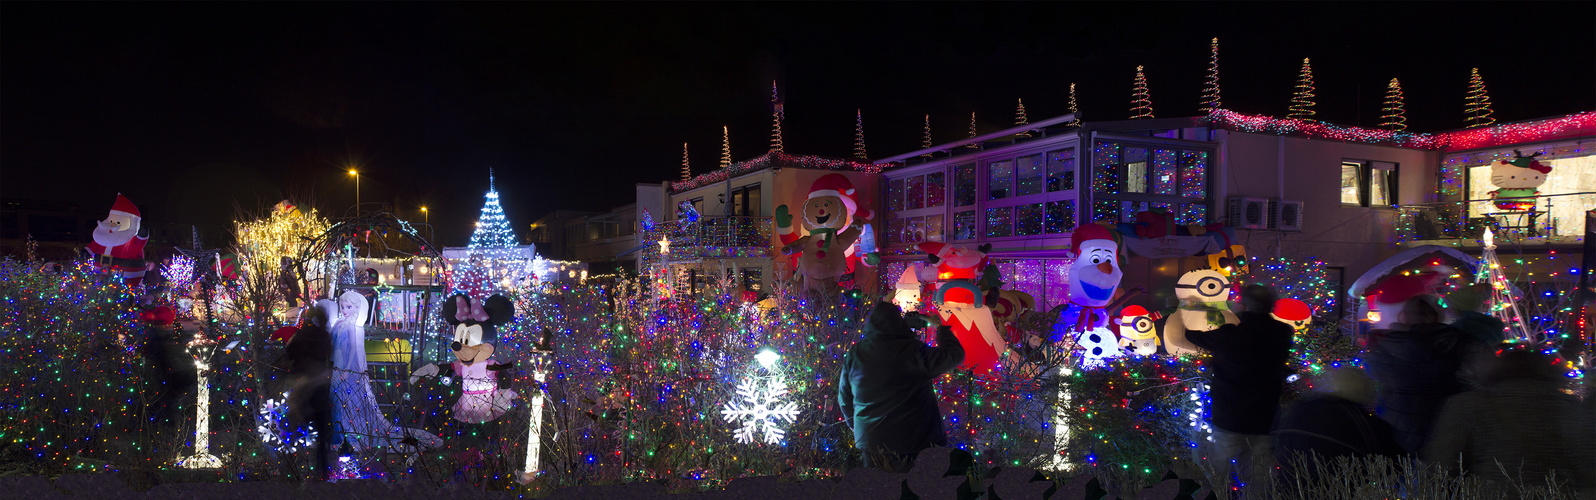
<point>1141,102</point>
<point>1302,100</point>
<point>1393,116</point>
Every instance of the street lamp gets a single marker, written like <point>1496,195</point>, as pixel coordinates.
<point>425,217</point>
<point>356,173</point>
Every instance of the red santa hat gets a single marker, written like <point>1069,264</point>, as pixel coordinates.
<point>1398,289</point>
<point>1132,311</point>
<point>1292,309</point>
<point>124,207</point>
<point>838,186</point>
<point>1090,232</point>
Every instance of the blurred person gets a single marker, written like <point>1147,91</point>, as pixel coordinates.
<point>1249,375</point>
<point>1482,331</point>
<point>308,360</point>
<point>1521,422</point>
<point>1331,424</point>
<point>1416,364</point>
<point>885,389</point>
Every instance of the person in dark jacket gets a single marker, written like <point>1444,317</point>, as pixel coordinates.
<point>1249,374</point>
<point>1332,424</point>
<point>885,389</point>
<point>308,359</point>
<point>1520,428</point>
<point>1417,366</point>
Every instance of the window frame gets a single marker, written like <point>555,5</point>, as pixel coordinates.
<point>1366,169</point>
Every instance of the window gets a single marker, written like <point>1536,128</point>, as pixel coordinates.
<point>964,185</point>
<point>746,201</point>
<point>1130,178</point>
<point>916,209</point>
<point>1000,179</point>
<point>1368,183</point>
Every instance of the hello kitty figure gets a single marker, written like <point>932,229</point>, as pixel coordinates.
<point>1517,180</point>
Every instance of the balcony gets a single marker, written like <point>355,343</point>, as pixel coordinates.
<point>1554,220</point>
<point>714,237</point>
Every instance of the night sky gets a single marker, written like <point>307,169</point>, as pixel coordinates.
<point>192,109</point>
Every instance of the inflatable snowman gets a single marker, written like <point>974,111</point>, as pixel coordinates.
<point>1094,279</point>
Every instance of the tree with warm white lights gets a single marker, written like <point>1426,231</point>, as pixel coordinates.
<point>1141,101</point>
<point>725,147</point>
<point>972,132</point>
<point>1302,101</point>
<point>1074,109</point>
<point>925,141</point>
<point>1021,119</point>
<point>1394,116</point>
<point>687,170</point>
<point>858,136</point>
<point>1478,108</point>
<point>776,117</point>
<point>1210,99</point>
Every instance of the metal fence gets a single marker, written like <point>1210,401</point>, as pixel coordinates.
<point>1534,217</point>
<point>716,236</point>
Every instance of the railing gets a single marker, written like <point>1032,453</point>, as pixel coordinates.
<point>729,236</point>
<point>1551,218</point>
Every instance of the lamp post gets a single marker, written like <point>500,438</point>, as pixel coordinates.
<point>425,218</point>
<point>356,173</point>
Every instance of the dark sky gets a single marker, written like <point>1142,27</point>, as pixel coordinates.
<point>189,107</point>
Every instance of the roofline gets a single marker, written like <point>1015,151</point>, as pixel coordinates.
<point>981,138</point>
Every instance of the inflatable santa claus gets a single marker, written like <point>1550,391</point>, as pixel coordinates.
<point>119,242</point>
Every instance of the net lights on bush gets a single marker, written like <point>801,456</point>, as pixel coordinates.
<point>760,410</point>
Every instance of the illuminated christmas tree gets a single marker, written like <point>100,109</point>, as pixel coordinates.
<point>687,171</point>
<point>493,229</point>
<point>1478,108</point>
<point>1302,101</point>
<point>725,148</point>
<point>776,116</point>
<point>925,141</point>
<point>1210,99</point>
<point>972,132</point>
<point>1141,102</point>
<point>1020,119</point>
<point>1394,116</point>
<point>858,136</point>
<point>1074,109</point>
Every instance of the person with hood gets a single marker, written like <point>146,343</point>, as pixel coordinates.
<point>1417,365</point>
<point>885,389</point>
<point>308,360</point>
<point>1520,428</point>
<point>1249,374</point>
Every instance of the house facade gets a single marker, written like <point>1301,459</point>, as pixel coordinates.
<point>1346,196</point>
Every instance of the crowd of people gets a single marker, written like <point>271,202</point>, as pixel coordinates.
<point>1438,385</point>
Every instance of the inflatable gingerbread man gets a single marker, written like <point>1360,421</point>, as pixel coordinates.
<point>833,223</point>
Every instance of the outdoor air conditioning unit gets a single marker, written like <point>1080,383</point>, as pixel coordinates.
<point>1285,215</point>
<point>1248,213</point>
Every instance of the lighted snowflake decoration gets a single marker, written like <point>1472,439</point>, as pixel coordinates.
<point>759,410</point>
<point>275,431</point>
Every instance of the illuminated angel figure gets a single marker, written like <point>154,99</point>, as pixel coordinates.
<point>760,410</point>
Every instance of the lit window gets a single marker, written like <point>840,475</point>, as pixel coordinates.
<point>1368,183</point>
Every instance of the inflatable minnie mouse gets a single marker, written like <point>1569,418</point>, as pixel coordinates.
<point>475,329</point>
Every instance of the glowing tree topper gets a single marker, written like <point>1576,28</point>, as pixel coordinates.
<point>759,411</point>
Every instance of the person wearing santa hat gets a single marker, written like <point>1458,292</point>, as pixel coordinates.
<point>832,219</point>
<point>1417,360</point>
<point>119,241</point>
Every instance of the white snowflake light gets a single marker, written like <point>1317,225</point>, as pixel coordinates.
<point>276,432</point>
<point>759,410</point>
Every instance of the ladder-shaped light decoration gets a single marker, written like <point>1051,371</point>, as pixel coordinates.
<point>202,457</point>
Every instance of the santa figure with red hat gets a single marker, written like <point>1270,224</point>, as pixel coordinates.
<point>960,304</point>
<point>832,222</point>
<point>119,242</point>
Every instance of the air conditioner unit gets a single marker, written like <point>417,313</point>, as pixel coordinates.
<point>1285,215</point>
<point>1248,213</point>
